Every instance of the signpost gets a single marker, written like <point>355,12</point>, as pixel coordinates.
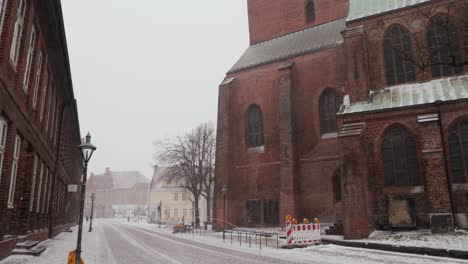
<point>72,188</point>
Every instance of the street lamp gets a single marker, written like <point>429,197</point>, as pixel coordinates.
<point>92,212</point>
<point>225,191</point>
<point>87,150</point>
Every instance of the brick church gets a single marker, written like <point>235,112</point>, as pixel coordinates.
<point>353,111</point>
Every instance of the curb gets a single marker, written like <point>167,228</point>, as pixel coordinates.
<point>457,254</point>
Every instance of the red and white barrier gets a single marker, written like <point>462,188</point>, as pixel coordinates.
<point>303,234</point>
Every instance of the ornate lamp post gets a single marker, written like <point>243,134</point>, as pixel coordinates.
<point>87,150</point>
<point>225,191</point>
<point>92,213</point>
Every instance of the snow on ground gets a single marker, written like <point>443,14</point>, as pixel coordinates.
<point>457,240</point>
<point>145,239</point>
<point>321,253</point>
<point>59,247</point>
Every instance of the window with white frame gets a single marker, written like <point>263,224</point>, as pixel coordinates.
<point>37,79</point>
<point>3,4</point>
<point>33,182</point>
<point>3,134</point>
<point>176,196</point>
<point>55,130</point>
<point>48,193</point>
<point>52,122</point>
<point>39,188</point>
<point>44,94</point>
<point>29,60</point>
<point>16,41</point>
<point>45,189</point>
<point>176,212</point>
<point>49,105</point>
<point>14,171</point>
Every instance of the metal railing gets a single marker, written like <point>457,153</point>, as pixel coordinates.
<point>248,234</point>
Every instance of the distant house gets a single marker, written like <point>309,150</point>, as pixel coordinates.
<point>118,194</point>
<point>175,202</point>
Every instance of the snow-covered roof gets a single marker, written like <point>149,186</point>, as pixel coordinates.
<point>364,8</point>
<point>158,185</point>
<point>127,179</point>
<point>444,90</point>
<point>291,45</point>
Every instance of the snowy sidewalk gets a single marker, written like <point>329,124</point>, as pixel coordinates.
<point>454,244</point>
<point>59,247</point>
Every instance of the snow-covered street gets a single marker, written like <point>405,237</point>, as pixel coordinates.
<point>116,242</point>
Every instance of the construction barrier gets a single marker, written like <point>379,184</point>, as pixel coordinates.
<point>303,234</point>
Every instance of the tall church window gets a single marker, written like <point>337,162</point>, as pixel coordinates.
<point>253,211</point>
<point>400,158</point>
<point>270,211</point>
<point>329,106</point>
<point>310,11</point>
<point>254,127</point>
<point>444,48</point>
<point>458,144</point>
<point>398,55</point>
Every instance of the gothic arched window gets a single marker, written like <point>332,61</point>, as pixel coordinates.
<point>399,67</point>
<point>458,144</point>
<point>330,104</point>
<point>444,48</point>
<point>254,127</point>
<point>400,158</point>
<point>310,11</point>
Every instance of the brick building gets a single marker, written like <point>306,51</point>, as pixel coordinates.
<point>117,192</point>
<point>353,111</point>
<point>39,128</point>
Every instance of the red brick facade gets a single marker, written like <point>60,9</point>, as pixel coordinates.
<point>45,129</point>
<point>299,165</point>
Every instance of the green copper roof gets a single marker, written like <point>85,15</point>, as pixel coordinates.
<point>364,8</point>
<point>294,44</point>
<point>447,89</point>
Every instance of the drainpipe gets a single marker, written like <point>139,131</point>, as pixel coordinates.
<point>438,103</point>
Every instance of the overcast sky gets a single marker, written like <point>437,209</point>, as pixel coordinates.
<point>145,70</point>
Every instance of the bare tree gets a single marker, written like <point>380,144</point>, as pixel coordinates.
<point>190,160</point>
<point>439,44</point>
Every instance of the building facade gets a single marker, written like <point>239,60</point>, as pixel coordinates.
<point>176,203</point>
<point>352,111</point>
<point>118,193</point>
<point>39,128</point>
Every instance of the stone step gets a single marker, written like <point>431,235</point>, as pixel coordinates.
<point>28,244</point>
<point>21,239</point>
<point>31,252</point>
<point>68,230</point>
